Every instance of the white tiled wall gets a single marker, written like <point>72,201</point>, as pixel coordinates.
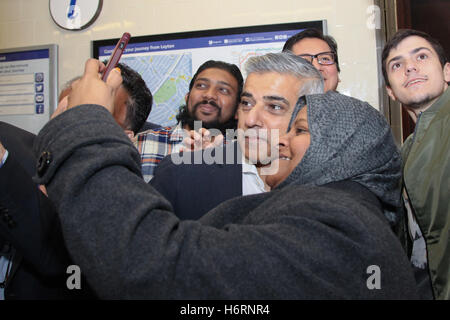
<point>28,22</point>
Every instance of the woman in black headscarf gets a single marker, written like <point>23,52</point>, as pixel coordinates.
<point>323,233</point>
<point>348,140</point>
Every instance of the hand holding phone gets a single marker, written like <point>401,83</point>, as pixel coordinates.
<point>117,53</point>
<point>91,89</point>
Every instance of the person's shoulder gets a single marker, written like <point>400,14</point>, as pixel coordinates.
<point>406,147</point>
<point>6,127</point>
<point>149,126</point>
<point>16,139</point>
<point>156,131</point>
<point>199,163</point>
<point>166,162</point>
<point>165,173</point>
<point>347,207</point>
<point>343,196</point>
<point>155,134</point>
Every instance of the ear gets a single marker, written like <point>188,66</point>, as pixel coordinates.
<point>391,93</point>
<point>447,72</point>
<point>186,98</point>
<point>130,134</point>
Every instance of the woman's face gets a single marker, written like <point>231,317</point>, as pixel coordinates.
<point>292,148</point>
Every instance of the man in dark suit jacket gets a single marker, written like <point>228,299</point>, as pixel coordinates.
<point>194,189</point>
<point>30,232</point>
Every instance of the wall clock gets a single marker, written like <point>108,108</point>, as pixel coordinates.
<point>75,14</point>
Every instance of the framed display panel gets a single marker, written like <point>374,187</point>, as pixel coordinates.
<point>28,85</point>
<point>167,62</point>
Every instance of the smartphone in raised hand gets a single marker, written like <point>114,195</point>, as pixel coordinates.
<point>117,53</point>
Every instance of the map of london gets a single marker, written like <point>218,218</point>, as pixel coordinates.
<point>167,77</point>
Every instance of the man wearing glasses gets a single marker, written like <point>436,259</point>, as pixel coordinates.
<point>320,50</point>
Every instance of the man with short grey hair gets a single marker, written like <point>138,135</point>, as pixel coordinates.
<point>274,83</point>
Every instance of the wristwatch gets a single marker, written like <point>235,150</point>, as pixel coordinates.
<point>75,14</point>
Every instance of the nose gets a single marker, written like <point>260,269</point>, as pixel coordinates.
<point>283,143</point>
<point>210,94</point>
<point>253,118</point>
<point>411,66</point>
<point>285,138</point>
<point>316,64</point>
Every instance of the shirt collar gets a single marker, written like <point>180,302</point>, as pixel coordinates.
<point>177,132</point>
<point>247,167</point>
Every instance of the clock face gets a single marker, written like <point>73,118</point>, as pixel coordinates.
<point>75,14</point>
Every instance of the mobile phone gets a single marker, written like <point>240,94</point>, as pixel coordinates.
<point>117,53</point>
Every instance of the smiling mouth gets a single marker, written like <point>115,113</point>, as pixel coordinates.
<point>207,108</point>
<point>254,134</point>
<point>255,138</point>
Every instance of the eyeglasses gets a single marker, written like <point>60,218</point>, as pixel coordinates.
<point>323,58</point>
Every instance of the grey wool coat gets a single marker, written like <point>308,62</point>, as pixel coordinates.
<point>297,242</point>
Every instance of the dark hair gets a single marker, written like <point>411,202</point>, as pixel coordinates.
<point>402,34</point>
<point>186,118</point>
<point>139,103</point>
<point>313,33</point>
<point>230,68</point>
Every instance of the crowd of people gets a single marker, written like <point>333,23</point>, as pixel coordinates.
<point>276,187</point>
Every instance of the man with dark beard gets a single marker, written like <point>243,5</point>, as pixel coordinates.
<point>213,96</point>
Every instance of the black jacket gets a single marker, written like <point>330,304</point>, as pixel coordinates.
<point>30,224</point>
<point>194,189</point>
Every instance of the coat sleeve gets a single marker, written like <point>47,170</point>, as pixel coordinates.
<point>198,184</point>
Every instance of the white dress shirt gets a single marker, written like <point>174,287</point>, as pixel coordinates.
<point>251,181</point>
